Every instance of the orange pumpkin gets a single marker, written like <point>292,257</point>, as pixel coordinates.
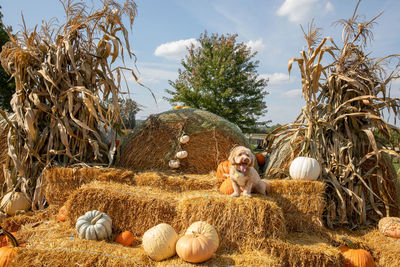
<point>223,171</point>
<point>226,187</point>
<point>62,214</point>
<point>7,253</point>
<point>194,248</point>
<point>355,257</point>
<point>4,240</point>
<point>390,226</point>
<point>125,238</point>
<point>260,159</point>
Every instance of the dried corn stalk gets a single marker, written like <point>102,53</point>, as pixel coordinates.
<point>63,77</point>
<point>345,101</point>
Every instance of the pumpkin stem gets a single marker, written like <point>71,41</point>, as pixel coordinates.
<point>14,242</point>
<point>95,219</point>
<point>349,243</point>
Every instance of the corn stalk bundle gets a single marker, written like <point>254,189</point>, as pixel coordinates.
<point>342,125</point>
<point>63,79</point>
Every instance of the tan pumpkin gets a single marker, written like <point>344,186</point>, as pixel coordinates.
<point>355,257</point>
<point>223,171</point>
<point>159,242</point>
<point>125,238</point>
<point>62,214</point>
<point>206,229</point>
<point>194,248</point>
<point>390,226</point>
<point>13,202</point>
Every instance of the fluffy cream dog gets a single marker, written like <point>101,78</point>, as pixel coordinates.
<point>243,174</point>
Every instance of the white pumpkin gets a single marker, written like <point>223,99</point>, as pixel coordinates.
<point>184,139</point>
<point>174,163</point>
<point>181,154</point>
<point>94,225</point>
<point>304,168</point>
<point>159,242</point>
<point>206,229</point>
<point>13,202</point>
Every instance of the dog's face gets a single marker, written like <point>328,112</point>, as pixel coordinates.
<point>242,157</point>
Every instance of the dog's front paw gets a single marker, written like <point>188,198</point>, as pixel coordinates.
<point>235,194</point>
<point>247,195</point>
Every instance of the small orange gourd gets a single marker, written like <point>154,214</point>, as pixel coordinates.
<point>260,159</point>
<point>125,238</point>
<point>355,257</point>
<point>223,171</point>
<point>194,248</point>
<point>62,214</point>
<point>8,252</point>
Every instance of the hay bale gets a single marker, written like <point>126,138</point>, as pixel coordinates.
<point>302,203</point>
<point>14,223</point>
<point>301,249</point>
<point>61,182</point>
<point>152,145</point>
<point>55,244</point>
<point>131,208</point>
<point>241,222</point>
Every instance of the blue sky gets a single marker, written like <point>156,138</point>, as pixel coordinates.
<point>163,28</point>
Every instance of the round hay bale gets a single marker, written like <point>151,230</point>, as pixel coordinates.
<point>155,142</point>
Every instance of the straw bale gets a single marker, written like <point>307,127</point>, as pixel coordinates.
<point>300,249</point>
<point>14,223</point>
<point>132,208</point>
<point>295,187</point>
<point>61,182</point>
<point>152,145</point>
<point>242,224</point>
<point>302,203</point>
<point>56,244</point>
<point>385,250</point>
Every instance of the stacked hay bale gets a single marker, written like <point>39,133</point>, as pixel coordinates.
<point>60,182</point>
<point>155,142</point>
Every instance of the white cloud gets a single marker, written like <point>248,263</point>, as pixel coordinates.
<point>174,50</point>
<point>155,76</point>
<point>257,45</point>
<point>275,78</point>
<point>293,93</point>
<point>299,11</point>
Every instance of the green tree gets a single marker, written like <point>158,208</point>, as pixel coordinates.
<point>129,109</point>
<point>220,76</point>
<point>7,85</point>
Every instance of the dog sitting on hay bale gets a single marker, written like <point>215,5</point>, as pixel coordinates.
<point>156,142</point>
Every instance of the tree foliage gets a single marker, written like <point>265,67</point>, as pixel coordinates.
<point>7,85</point>
<point>220,76</point>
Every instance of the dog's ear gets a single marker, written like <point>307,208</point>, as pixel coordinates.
<point>253,159</point>
<point>232,154</point>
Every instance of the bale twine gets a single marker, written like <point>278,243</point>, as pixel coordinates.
<point>155,142</point>
<point>59,182</point>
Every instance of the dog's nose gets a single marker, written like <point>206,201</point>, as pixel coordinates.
<point>246,160</point>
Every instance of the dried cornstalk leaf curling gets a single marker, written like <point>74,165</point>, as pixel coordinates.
<point>342,125</point>
<point>63,79</point>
